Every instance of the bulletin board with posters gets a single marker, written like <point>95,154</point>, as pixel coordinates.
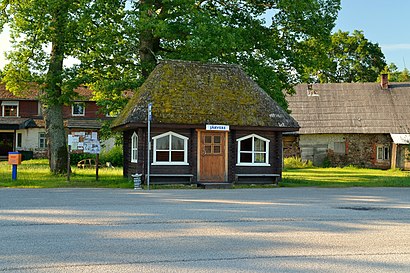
<point>83,142</point>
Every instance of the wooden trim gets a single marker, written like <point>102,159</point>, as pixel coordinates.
<point>198,155</point>
<point>201,127</point>
<point>226,156</point>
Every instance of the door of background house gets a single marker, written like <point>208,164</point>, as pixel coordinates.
<point>212,156</point>
<point>406,159</point>
<point>6,144</point>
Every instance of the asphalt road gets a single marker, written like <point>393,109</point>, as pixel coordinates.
<point>247,230</point>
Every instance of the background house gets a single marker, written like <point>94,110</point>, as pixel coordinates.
<point>22,125</point>
<point>364,124</point>
<point>190,102</point>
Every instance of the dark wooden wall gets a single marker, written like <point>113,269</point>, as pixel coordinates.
<point>275,153</point>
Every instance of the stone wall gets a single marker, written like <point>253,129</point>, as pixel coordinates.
<point>291,146</point>
<point>345,149</point>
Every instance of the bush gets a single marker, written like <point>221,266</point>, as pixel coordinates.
<point>115,156</point>
<point>297,163</point>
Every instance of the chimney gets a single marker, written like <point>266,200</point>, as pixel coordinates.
<point>384,82</point>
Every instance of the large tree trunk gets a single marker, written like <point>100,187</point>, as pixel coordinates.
<point>149,44</point>
<point>53,103</point>
<point>57,140</point>
<point>147,50</point>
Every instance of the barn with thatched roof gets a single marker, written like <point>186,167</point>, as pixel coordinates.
<point>210,123</point>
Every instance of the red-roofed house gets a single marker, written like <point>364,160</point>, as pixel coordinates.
<point>22,125</point>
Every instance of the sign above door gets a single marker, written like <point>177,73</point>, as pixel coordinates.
<point>211,127</point>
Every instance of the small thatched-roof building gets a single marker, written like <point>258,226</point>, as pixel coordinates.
<point>210,123</point>
<point>363,124</point>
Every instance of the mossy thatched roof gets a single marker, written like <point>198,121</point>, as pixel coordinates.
<point>197,94</point>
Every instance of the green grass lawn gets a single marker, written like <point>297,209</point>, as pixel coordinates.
<point>345,177</point>
<point>36,174</point>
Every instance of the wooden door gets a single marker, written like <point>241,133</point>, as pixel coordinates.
<point>212,156</point>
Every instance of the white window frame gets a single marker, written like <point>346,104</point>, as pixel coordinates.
<point>72,109</point>
<point>40,137</point>
<point>17,140</point>
<point>134,148</point>
<point>170,134</point>
<point>10,103</point>
<point>381,154</point>
<point>253,152</point>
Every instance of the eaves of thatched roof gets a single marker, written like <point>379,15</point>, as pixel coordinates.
<point>352,108</point>
<point>197,94</point>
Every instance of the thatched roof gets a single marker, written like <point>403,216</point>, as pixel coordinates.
<point>352,108</point>
<point>194,93</point>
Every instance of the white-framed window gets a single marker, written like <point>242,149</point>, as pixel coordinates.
<point>78,109</point>
<point>253,150</point>
<point>170,149</point>
<point>42,140</point>
<point>10,109</point>
<point>19,140</point>
<point>383,152</point>
<point>134,148</point>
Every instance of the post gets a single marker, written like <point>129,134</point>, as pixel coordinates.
<point>149,143</point>
<point>14,172</point>
<point>97,159</point>
<point>68,163</point>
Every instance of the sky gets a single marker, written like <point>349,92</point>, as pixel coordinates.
<point>385,22</point>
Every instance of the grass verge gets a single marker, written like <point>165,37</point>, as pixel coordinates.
<point>344,177</point>
<point>36,174</point>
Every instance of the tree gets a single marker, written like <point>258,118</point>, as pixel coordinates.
<point>351,58</point>
<point>395,75</point>
<point>228,31</point>
<point>45,33</point>
<point>119,42</point>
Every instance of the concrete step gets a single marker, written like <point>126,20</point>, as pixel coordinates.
<point>214,185</point>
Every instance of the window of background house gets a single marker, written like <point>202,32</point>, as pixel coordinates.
<point>170,149</point>
<point>383,152</point>
<point>10,109</point>
<point>78,109</point>
<point>19,140</point>
<point>39,109</point>
<point>253,150</point>
<point>134,148</point>
<point>42,140</point>
<point>339,148</point>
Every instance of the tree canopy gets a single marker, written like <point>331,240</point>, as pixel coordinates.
<point>350,58</point>
<point>119,42</point>
<point>44,34</point>
<point>395,75</point>
<point>270,50</point>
